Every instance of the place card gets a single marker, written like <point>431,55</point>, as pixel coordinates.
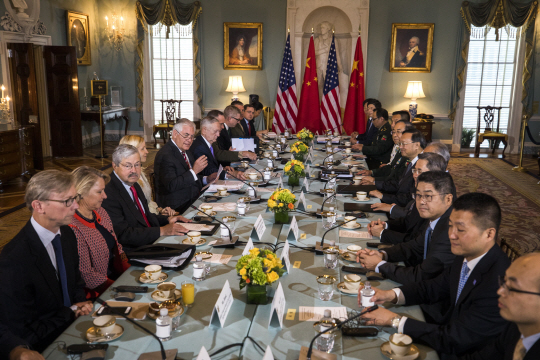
<point>285,256</point>
<point>355,234</point>
<point>305,185</point>
<point>296,264</point>
<point>278,308</point>
<point>280,183</point>
<point>227,206</point>
<point>222,307</point>
<point>302,202</point>
<point>248,247</point>
<point>203,354</point>
<point>258,229</point>
<point>290,314</point>
<point>292,235</point>
<point>268,354</point>
<point>310,313</point>
<point>308,170</point>
<point>309,158</point>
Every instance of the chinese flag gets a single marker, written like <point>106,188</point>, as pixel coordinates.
<point>309,112</point>
<point>355,119</point>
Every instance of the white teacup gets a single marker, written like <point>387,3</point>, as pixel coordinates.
<point>244,164</point>
<point>400,344</point>
<point>347,143</point>
<point>206,208</point>
<point>357,180</point>
<point>252,176</point>
<point>104,324</point>
<point>267,154</point>
<point>353,168</point>
<point>352,280</point>
<point>361,195</point>
<point>221,191</point>
<point>351,223</point>
<point>166,289</point>
<point>152,272</point>
<point>194,236</point>
<point>354,248</point>
<point>347,150</point>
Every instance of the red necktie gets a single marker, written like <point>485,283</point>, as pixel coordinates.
<point>185,158</point>
<point>138,203</point>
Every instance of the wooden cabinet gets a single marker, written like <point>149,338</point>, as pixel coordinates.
<point>425,127</point>
<point>16,154</point>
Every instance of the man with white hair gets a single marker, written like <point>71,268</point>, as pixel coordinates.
<point>178,176</point>
<point>414,57</point>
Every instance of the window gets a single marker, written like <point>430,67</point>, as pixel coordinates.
<point>172,69</point>
<point>490,77</point>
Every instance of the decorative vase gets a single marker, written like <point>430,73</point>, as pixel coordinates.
<point>281,217</point>
<point>299,156</point>
<point>294,180</point>
<point>307,142</point>
<point>256,294</point>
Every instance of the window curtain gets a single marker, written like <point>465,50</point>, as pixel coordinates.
<point>497,14</point>
<point>169,13</point>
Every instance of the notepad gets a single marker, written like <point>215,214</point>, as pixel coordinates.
<point>243,144</point>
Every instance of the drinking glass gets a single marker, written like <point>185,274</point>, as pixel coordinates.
<point>328,219</point>
<point>188,293</point>
<point>325,342</point>
<point>331,257</point>
<point>326,286</point>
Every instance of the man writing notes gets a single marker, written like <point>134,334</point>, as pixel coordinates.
<point>41,289</point>
<point>133,222</point>
<point>469,286</point>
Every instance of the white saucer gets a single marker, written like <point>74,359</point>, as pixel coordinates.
<point>341,287</point>
<point>155,295</point>
<point>188,242</point>
<point>354,227</point>
<point>348,256</point>
<point>91,335</point>
<point>226,194</point>
<point>365,200</point>
<point>387,351</point>
<point>212,213</point>
<point>145,280</point>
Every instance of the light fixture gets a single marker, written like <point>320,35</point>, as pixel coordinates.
<point>5,114</point>
<point>414,91</point>
<point>115,31</point>
<point>235,86</point>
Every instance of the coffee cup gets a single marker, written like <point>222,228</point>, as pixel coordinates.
<point>400,344</point>
<point>357,180</point>
<point>354,248</point>
<point>267,154</point>
<point>353,168</point>
<point>166,290</point>
<point>351,223</point>
<point>152,272</point>
<point>206,208</point>
<point>222,191</point>
<point>194,236</point>
<point>347,143</point>
<point>347,150</point>
<point>352,280</point>
<point>361,195</point>
<point>104,324</point>
<point>252,176</point>
<point>245,164</point>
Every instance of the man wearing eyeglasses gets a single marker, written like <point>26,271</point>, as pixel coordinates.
<point>519,303</point>
<point>225,153</point>
<point>467,290</point>
<point>41,289</point>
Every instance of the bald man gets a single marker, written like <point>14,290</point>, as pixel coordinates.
<point>519,303</point>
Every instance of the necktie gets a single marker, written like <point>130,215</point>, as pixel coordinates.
<point>519,351</point>
<point>186,159</point>
<point>212,151</point>
<point>61,267</point>
<point>409,167</point>
<point>462,278</point>
<point>427,239</point>
<point>248,127</point>
<point>229,132</point>
<point>138,203</point>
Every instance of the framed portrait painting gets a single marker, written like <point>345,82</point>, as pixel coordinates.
<point>411,47</point>
<point>242,46</point>
<point>78,35</point>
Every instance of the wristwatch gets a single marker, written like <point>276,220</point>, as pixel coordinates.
<point>395,321</point>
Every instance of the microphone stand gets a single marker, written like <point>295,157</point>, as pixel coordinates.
<point>319,246</point>
<point>339,326</point>
<point>332,154</point>
<point>232,241</point>
<point>246,183</point>
<point>115,312</point>
<point>262,176</point>
<point>334,195</point>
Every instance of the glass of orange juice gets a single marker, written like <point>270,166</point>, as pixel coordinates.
<point>188,293</point>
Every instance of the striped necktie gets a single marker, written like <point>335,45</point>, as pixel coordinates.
<point>519,351</point>
<point>462,278</point>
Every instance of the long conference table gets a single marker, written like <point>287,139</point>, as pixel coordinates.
<point>299,286</point>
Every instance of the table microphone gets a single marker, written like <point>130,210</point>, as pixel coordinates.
<point>246,183</point>
<point>262,176</point>
<point>232,240</point>
<point>320,246</point>
<point>339,326</point>
<point>332,154</point>
<point>118,313</point>
<point>334,195</point>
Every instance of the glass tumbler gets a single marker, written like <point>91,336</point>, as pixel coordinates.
<point>326,286</point>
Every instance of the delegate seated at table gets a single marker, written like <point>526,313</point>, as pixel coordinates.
<point>379,149</point>
<point>14,348</point>
<point>41,289</point>
<point>127,206</point>
<point>370,131</point>
<point>469,285</point>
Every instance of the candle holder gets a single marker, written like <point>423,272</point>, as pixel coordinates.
<point>5,113</point>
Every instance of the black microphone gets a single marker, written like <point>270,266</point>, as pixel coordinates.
<point>262,176</point>
<point>333,153</point>
<point>319,247</point>
<point>116,312</point>
<point>214,218</point>
<point>335,194</point>
<point>246,183</point>
<point>339,326</point>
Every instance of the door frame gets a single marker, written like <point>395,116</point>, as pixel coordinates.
<point>41,82</point>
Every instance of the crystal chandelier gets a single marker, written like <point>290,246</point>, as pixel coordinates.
<point>115,31</point>
<point>5,113</point>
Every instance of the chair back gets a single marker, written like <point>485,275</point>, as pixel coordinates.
<point>509,250</point>
<point>489,117</point>
<point>168,111</point>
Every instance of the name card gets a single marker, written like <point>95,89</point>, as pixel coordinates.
<point>308,170</point>
<point>285,256</point>
<point>280,183</point>
<point>268,354</point>
<point>203,354</point>
<point>293,230</point>
<point>305,185</point>
<point>278,308</point>
<point>222,307</point>
<point>309,158</point>
<point>258,229</point>
<point>248,247</point>
<point>302,202</point>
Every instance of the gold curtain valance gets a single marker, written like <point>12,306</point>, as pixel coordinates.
<point>168,13</point>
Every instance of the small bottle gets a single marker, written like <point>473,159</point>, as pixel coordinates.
<point>325,342</point>
<point>199,269</point>
<point>367,293</point>
<point>163,325</point>
<point>267,174</point>
<point>333,217</point>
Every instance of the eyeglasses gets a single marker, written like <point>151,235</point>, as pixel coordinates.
<point>407,143</point>
<point>396,132</point>
<point>417,171</point>
<point>236,119</point>
<point>187,136</point>
<point>428,198</point>
<point>68,202</point>
<point>502,284</point>
<point>131,166</point>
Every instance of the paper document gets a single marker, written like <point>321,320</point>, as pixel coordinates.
<point>221,206</point>
<point>322,139</point>
<point>167,261</point>
<point>197,227</point>
<point>310,313</point>
<point>265,189</point>
<point>228,184</point>
<point>355,234</point>
<point>213,181</point>
<point>243,144</point>
<point>216,259</point>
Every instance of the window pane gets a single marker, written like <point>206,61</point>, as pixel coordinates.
<point>472,94</point>
<point>474,74</point>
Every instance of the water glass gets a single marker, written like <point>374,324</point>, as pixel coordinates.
<point>331,257</point>
<point>241,207</point>
<point>325,342</point>
<point>199,271</point>
<point>326,286</point>
<point>328,218</point>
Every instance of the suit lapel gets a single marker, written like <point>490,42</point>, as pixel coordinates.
<point>476,275</point>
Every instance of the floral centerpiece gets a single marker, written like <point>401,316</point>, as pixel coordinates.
<point>281,202</point>
<point>299,150</point>
<point>295,170</point>
<point>305,136</point>
<point>258,269</point>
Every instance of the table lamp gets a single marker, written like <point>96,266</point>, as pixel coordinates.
<point>235,86</point>
<point>414,91</point>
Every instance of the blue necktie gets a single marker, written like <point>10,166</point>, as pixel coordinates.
<point>427,239</point>
<point>57,245</point>
<point>462,278</point>
<point>212,151</point>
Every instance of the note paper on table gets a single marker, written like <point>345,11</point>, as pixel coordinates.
<point>355,234</point>
<point>310,313</point>
<point>221,206</point>
<point>197,227</point>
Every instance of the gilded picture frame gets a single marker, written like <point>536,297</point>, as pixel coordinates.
<point>411,48</point>
<point>242,46</point>
<point>78,35</point>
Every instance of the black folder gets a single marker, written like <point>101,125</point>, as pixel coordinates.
<point>350,207</point>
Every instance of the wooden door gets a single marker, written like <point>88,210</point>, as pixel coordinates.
<point>64,108</point>
<point>24,91</point>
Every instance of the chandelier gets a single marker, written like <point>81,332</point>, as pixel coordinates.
<point>115,31</point>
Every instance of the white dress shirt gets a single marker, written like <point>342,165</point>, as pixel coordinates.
<point>187,157</point>
<point>46,237</point>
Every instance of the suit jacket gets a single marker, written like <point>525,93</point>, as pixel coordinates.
<point>503,347</point>
<point>400,211</point>
<point>8,341</point>
<point>175,185</point>
<point>224,139</point>
<point>128,223</point>
<point>468,324</point>
<point>403,229</point>
<point>367,137</point>
<point>385,171</point>
<point>398,191</point>
<point>439,255</point>
<point>31,300</point>
<point>200,148</point>
<point>379,149</point>
<point>245,128</point>
<point>238,131</point>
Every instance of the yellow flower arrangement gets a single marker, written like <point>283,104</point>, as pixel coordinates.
<point>304,135</point>
<point>299,147</point>
<point>259,268</point>
<point>281,200</point>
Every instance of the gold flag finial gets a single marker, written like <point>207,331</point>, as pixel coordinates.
<point>311,31</point>
<point>288,30</point>
<point>359,29</point>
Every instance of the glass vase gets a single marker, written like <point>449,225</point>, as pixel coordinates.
<point>294,180</point>
<point>299,156</point>
<point>256,294</point>
<point>307,142</point>
<point>281,217</point>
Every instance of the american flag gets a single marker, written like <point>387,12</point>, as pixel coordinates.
<point>330,108</point>
<point>286,103</point>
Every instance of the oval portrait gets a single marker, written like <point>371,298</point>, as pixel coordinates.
<point>78,37</point>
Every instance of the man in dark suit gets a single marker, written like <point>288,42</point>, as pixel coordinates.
<point>127,206</point>
<point>428,253</point>
<point>14,348</point>
<point>379,149</point>
<point>367,136</point>
<point>41,289</point>
<point>468,287</point>
<point>519,302</point>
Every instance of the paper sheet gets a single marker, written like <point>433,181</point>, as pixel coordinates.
<point>197,227</point>
<point>265,190</point>
<point>322,139</point>
<point>228,184</point>
<point>355,234</point>
<point>243,144</point>
<point>216,259</point>
<point>310,313</point>
<point>221,206</point>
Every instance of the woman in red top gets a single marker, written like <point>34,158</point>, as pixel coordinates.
<point>101,258</point>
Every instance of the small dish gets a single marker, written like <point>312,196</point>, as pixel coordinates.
<point>353,227</point>
<point>178,310</point>
<point>199,243</point>
<point>213,213</point>
<point>204,254</point>
<point>387,351</point>
<point>344,289</point>
<point>222,196</point>
<point>365,200</point>
<point>94,337</point>
<point>145,280</point>
<point>155,295</point>
<point>348,257</point>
